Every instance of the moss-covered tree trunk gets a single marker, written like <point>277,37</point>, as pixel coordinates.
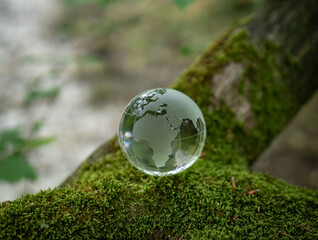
<point>248,84</point>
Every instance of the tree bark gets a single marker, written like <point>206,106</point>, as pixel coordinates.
<point>248,84</point>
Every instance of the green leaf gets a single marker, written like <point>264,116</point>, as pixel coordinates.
<point>80,2</point>
<point>10,137</point>
<point>14,168</point>
<point>76,2</point>
<point>43,94</point>
<point>183,3</point>
<point>38,142</point>
<point>36,126</point>
<point>92,60</point>
<point>185,50</point>
<point>106,2</point>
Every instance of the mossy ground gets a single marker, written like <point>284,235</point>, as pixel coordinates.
<point>199,203</point>
<point>111,199</point>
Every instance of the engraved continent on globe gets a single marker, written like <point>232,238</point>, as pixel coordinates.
<point>162,132</point>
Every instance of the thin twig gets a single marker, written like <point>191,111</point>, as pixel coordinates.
<point>202,154</point>
<point>303,228</point>
<point>233,183</point>
<point>252,192</point>
<point>181,237</point>
<point>285,234</point>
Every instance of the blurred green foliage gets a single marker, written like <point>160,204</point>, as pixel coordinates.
<point>183,3</point>
<point>79,2</point>
<point>180,3</point>
<point>14,147</point>
<point>41,94</point>
<point>15,167</point>
<point>125,45</point>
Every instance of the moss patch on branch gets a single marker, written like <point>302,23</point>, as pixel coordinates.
<point>123,203</point>
<point>111,199</point>
<point>267,82</point>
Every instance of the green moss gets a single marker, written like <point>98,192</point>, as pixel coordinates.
<point>111,199</point>
<point>267,83</point>
<point>125,203</point>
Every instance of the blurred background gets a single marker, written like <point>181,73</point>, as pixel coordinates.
<point>68,68</point>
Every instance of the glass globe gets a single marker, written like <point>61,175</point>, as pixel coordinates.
<point>162,132</point>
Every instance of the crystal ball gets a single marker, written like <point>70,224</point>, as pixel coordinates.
<point>162,132</point>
